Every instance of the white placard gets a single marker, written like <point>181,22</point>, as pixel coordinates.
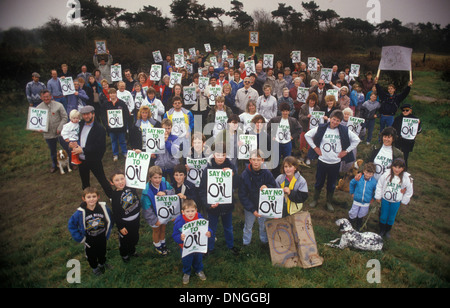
<point>316,119</point>
<point>355,124</point>
<point>180,51</point>
<point>207,47</point>
<point>334,92</point>
<point>196,167</point>
<point>136,169</point>
<point>219,186</point>
<point>203,83</point>
<point>155,72</point>
<point>249,143</point>
<point>192,52</point>
<point>213,62</point>
<point>67,86</point>
<point>115,118</point>
<point>37,119</point>
<point>189,95</point>
<point>174,79</point>
<point>302,94</point>
<point>296,56</point>
<point>250,67</point>
<point>101,47</point>
<point>179,60</point>
<point>395,58</point>
<point>167,208</point>
<point>268,61</point>
<point>214,92</point>
<point>241,57</point>
<point>326,74</point>
<point>116,72</point>
<point>271,203</point>
<point>157,56</point>
<point>195,240</point>
<point>354,70</point>
<point>410,127</point>
<point>312,64</point>
<point>154,140</point>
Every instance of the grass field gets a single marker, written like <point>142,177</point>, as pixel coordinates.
<point>35,244</point>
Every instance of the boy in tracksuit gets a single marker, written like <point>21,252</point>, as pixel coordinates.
<point>253,179</point>
<point>91,225</point>
<point>363,192</point>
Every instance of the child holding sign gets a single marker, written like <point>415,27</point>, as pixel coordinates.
<point>254,179</point>
<point>213,186</point>
<point>294,186</point>
<point>156,186</point>
<point>407,126</point>
<point>189,214</point>
<point>126,208</point>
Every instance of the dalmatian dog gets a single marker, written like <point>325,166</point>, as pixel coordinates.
<point>351,238</point>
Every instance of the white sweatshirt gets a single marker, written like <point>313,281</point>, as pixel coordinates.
<point>392,190</point>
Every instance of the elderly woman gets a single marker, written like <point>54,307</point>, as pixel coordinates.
<point>304,118</point>
<point>267,105</point>
<point>344,100</point>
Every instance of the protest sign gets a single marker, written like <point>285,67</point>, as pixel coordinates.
<point>302,94</point>
<point>196,167</point>
<point>268,61</point>
<point>136,169</point>
<point>253,38</point>
<point>37,119</point>
<point>250,67</point>
<point>334,92</point>
<point>154,140</point>
<point>316,118</point>
<point>100,45</point>
<point>410,127</point>
<point>214,92</point>
<point>67,86</point>
<point>249,143</point>
<point>203,83</point>
<point>271,203</point>
<point>219,186</point>
<point>195,240</point>
<point>155,72</point>
<point>355,124</point>
<point>395,58</point>
<point>241,57</point>
<point>180,51</point>
<point>207,47</point>
<point>116,72</point>
<point>167,208</point>
<point>157,56</point>
<point>213,62</point>
<point>192,52</point>
<point>296,56</point>
<point>189,95</point>
<point>115,118</point>
<point>312,64</point>
<point>326,74</point>
<point>174,79</point>
<point>179,60</point>
<point>354,70</point>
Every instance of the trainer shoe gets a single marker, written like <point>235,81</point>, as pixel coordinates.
<point>186,278</point>
<point>201,275</point>
<point>115,158</point>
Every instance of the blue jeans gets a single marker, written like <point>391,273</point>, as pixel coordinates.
<point>194,260</point>
<point>370,125</point>
<point>227,222</point>
<point>386,121</point>
<point>52,144</point>
<point>248,226</point>
<point>285,150</point>
<point>118,139</point>
<point>388,212</point>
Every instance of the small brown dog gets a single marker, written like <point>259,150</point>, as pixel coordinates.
<point>63,161</point>
<point>344,183</point>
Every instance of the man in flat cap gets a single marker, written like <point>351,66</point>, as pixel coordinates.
<point>90,148</point>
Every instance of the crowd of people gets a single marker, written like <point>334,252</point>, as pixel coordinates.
<point>263,103</point>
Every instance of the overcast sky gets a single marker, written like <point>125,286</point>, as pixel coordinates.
<point>31,14</point>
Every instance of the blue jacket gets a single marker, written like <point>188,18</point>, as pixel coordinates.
<point>364,191</point>
<point>77,226</point>
<point>178,228</point>
<point>148,200</point>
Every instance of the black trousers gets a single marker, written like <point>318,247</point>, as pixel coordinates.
<point>97,169</point>
<point>127,243</point>
<point>95,250</point>
<point>329,172</point>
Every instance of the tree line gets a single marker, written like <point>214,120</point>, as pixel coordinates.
<point>132,36</point>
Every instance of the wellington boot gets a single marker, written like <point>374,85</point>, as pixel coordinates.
<point>330,207</point>
<point>75,159</point>
<point>382,229</point>
<point>316,198</point>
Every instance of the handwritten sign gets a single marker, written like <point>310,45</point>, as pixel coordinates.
<point>271,202</point>
<point>249,143</point>
<point>220,186</point>
<point>312,64</point>
<point>253,39</point>
<point>101,47</point>
<point>167,208</point>
<point>196,167</point>
<point>136,169</point>
<point>115,118</point>
<point>157,56</point>
<point>250,67</point>
<point>316,118</point>
<point>355,124</point>
<point>326,74</point>
<point>174,79</point>
<point>195,240</point>
<point>116,72</point>
<point>189,95</point>
<point>67,86</point>
<point>410,127</point>
<point>155,72</point>
<point>302,94</point>
<point>296,56</point>
<point>154,143</point>
<point>268,61</point>
<point>37,119</point>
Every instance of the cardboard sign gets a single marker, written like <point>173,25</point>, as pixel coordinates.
<point>296,56</point>
<point>189,95</point>
<point>355,125</point>
<point>136,169</point>
<point>167,208</point>
<point>157,56</point>
<point>180,51</point>
<point>316,119</point>
<point>326,74</point>
<point>195,240</point>
<point>192,52</point>
<point>179,60</point>
<point>208,47</point>
<point>312,64</point>
<point>196,167</point>
<point>155,142</point>
<point>37,119</point>
<point>292,242</point>
<point>250,143</point>
<point>253,38</point>
<point>219,186</point>
<point>213,93</point>
<point>174,79</point>
<point>241,57</point>
<point>354,70</point>
<point>67,86</point>
<point>155,72</point>
<point>213,61</point>
<point>100,45</point>
<point>302,94</point>
<point>115,118</point>
<point>334,92</point>
<point>268,61</point>
<point>250,67</point>
<point>271,202</point>
<point>116,72</point>
<point>395,58</point>
<point>203,83</point>
<point>410,127</point>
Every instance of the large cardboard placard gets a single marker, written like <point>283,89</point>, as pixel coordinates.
<point>355,124</point>
<point>100,45</point>
<point>155,72</point>
<point>174,79</point>
<point>253,38</point>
